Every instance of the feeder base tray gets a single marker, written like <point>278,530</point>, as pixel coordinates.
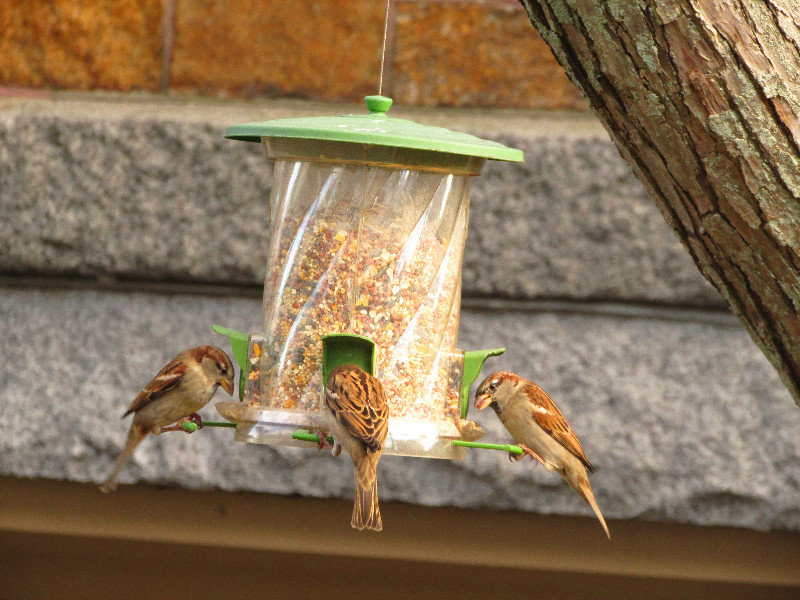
<point>406,437</point>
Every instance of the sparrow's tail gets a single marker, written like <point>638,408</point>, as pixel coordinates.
<point>580,483</point>
<point>135,436</point>
<point>366,513</point>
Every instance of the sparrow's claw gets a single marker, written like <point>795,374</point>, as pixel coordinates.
<point>322,441</point>
<point>529,452</point>
<point>515,457</point>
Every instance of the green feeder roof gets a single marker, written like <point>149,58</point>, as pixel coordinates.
<point>377,129</point>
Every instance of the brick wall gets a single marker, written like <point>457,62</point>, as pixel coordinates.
<point>440,52</point>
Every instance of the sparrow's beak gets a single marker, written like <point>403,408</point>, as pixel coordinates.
<point>482,401</point>
<point>227,385</point>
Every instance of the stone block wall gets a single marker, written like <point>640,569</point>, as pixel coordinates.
<point>129,226</point>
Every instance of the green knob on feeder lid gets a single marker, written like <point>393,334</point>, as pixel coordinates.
<point>378,104</point>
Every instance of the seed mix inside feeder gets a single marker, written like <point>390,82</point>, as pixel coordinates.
<point>368,219</point>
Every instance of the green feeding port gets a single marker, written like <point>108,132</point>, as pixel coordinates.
<point>239,342</point>
<point>473,363</point>
<point>347,349</point>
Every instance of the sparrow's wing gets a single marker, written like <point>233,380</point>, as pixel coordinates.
<point>549,418</point>
<point>357,401</point>
<point>167,379</point>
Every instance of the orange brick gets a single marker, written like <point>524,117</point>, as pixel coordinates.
<point>80,44</point>
<point>325,49</point>
<point>475,54</point>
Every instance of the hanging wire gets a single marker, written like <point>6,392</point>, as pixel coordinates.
<point>383,47</point>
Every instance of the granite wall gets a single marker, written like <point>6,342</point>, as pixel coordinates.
<point>129,227</point>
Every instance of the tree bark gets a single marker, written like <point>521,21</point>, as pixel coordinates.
<point>701,97</point>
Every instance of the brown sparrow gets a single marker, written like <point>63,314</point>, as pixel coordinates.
<point>358,419</point>
<point>179,390</point>
<point>540,429</point>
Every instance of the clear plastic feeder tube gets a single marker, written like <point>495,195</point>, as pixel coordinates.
<point>369,250</point>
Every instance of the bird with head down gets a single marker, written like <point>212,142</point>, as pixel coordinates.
<point>536,424</point>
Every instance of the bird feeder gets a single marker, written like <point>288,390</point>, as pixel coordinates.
<point>368,219</point>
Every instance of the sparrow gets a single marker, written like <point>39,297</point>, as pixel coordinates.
<point>358,418</point>
<point>179,390</point>
<point>539,428</point>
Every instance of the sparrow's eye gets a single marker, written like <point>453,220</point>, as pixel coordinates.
<point>223,370</point>
<point>493,386</point>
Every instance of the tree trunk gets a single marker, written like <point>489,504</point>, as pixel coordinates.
<point>701,97</point>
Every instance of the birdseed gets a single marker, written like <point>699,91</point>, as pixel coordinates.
<point>379,284</point>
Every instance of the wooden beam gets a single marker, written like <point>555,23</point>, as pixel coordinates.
<point>62,536</point>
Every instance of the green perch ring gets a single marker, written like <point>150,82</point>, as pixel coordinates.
<point>307,436</point>
<point>190,427</point>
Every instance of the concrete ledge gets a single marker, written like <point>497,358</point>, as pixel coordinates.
<point>115,187</point>
<point>673,414</point>
<point>140,537</point>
